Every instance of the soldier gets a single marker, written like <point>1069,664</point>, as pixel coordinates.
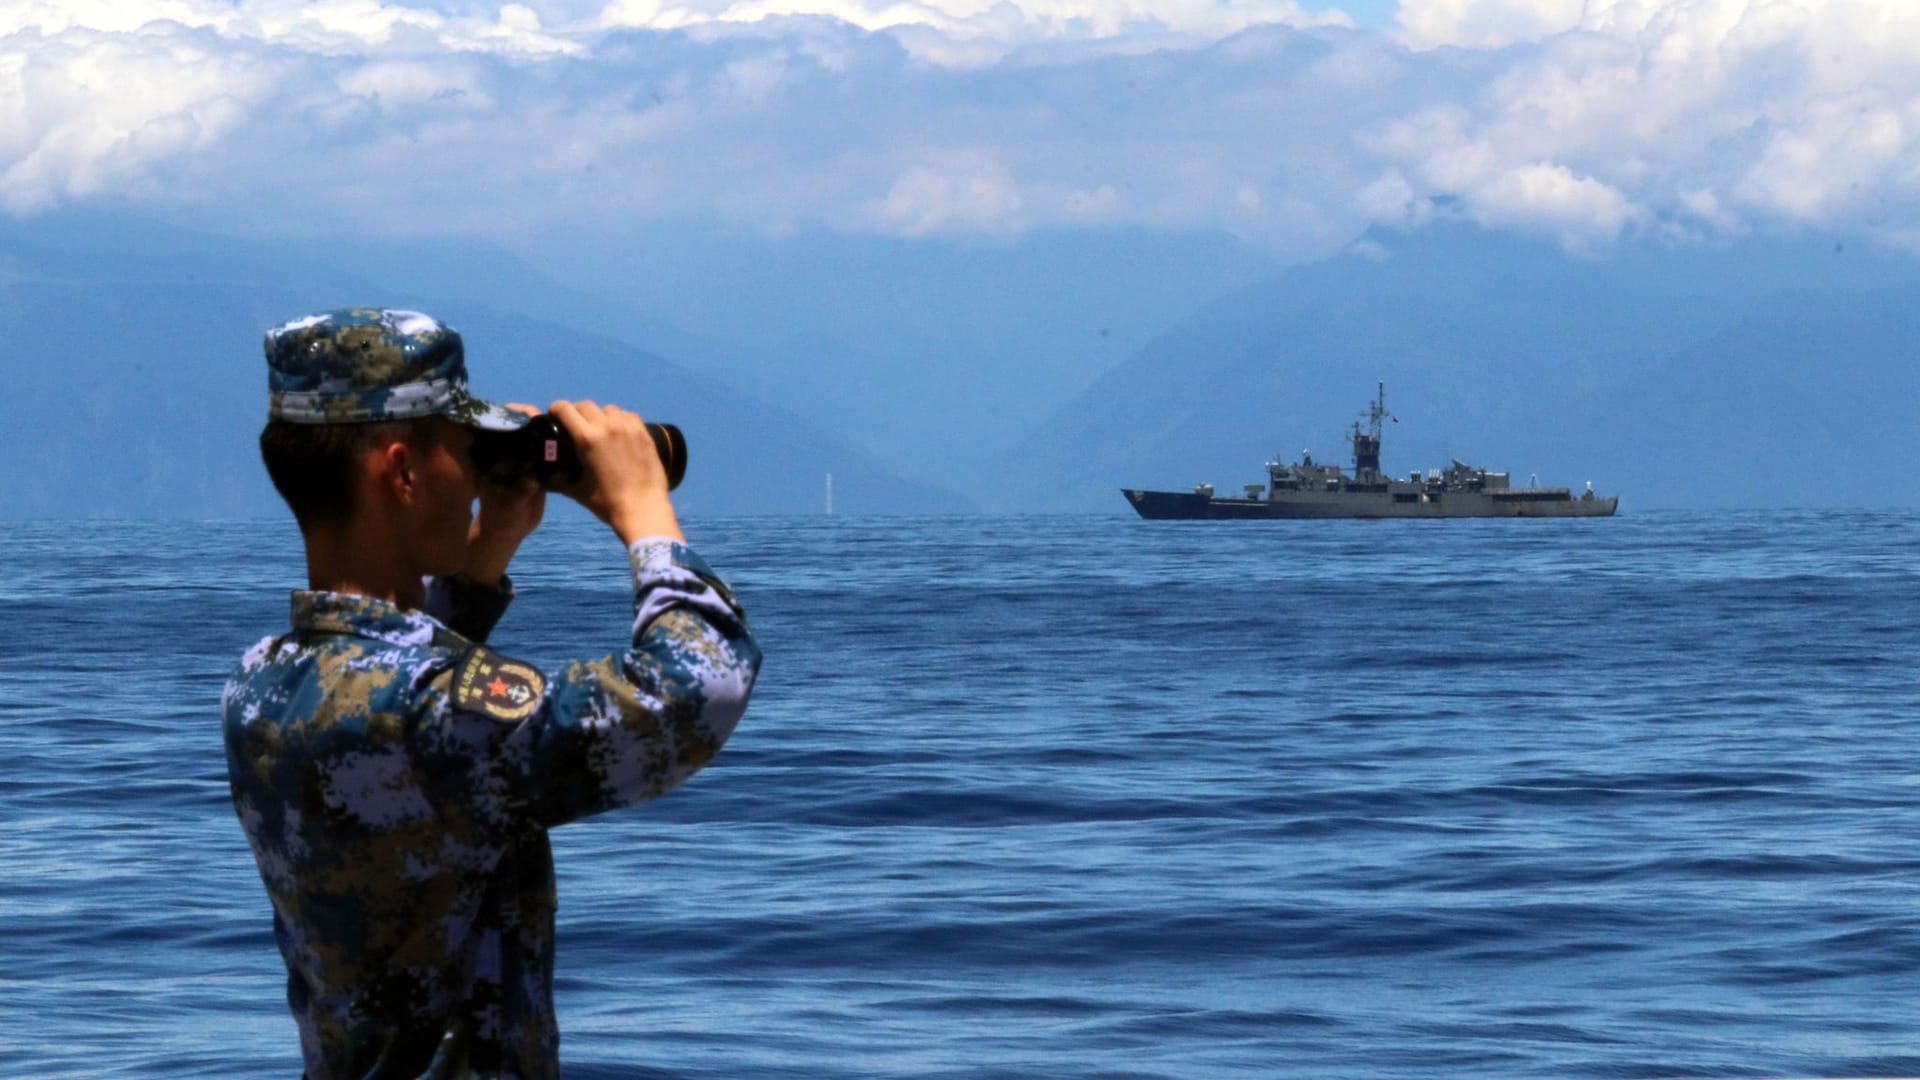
<point>395,776</point>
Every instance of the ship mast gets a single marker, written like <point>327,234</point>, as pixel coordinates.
<point>1366,444</point>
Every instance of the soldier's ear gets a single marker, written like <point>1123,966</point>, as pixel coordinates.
<point>393,465</point>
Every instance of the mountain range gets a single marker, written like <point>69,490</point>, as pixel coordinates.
<point>136,386</point>
<point>1039,374</point>
<point>1769,372</point>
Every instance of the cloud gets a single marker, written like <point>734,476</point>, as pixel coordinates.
<point>1842,153</point>
<point>1486,23</point>
<point>343,26</point>
<point>86,113</point>
<point>994,20</point>
<point>1582,212</point>
<point>1714,115</point>
<point>962,195</point>
<point>1584,120</point>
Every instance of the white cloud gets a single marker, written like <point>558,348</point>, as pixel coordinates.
<point>416,82</point>
<point>88,114</point>
<point>1485,23</point>
<point>1101,202</point>
<point>1581,212</point>
<point>1581,119</point>
<point>979,33</point>
<point>1390,200</point>
<point>1839,152</point>
<point>1724,113</point>
<point>327,26</point>
<point>1000,20</point>
<point>969,193</point>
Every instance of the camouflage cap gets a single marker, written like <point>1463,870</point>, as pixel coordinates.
<point>364,364</point>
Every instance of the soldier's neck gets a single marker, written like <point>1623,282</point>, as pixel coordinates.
<point>349,559</point>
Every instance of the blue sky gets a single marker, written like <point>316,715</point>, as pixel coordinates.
<point>1369,13</point>
<point>1292,124</point>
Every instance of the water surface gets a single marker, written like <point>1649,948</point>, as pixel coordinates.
<point>1078,797</point>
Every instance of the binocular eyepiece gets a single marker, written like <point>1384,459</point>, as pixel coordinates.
<point>543,450</point>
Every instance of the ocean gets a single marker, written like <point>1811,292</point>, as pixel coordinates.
<point>1078,797</point>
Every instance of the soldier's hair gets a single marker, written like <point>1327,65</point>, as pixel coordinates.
<point>312,465</point>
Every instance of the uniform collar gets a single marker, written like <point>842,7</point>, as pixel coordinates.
<point>325,612</point>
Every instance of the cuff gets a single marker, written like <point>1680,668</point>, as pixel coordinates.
<point>467,607</point>
<point>668,574</point>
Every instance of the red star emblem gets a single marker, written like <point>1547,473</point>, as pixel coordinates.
<point>498,687</point>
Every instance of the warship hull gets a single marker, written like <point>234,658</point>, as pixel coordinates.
<point>1512,503</point>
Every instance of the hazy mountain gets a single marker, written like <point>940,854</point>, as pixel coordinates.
<point>930,355</point>
<point>1763,373</point>
<point>136,388</point>
<point>1767,372</point>
<point>1810,400</point>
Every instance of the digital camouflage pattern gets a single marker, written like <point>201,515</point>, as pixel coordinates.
<point>396,780</point>
<point>367,364</point>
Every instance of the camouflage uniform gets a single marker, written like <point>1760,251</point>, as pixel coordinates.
<point>396,779</point>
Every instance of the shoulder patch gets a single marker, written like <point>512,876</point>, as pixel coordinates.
<point>494,686</point>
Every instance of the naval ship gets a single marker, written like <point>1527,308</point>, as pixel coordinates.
<point>1304,489</point>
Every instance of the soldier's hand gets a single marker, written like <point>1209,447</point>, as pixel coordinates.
<point>508,514</point>
<point>621,479</point>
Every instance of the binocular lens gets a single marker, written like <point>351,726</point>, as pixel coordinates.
<point>672,446</point>
<point>545,451</point>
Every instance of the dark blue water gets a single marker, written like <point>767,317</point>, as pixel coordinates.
<point>1079,797</point>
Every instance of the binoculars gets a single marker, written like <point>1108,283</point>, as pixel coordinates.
<point>543,450</point>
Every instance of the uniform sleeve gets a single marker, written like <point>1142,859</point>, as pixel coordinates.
<point>465,606</point>
<point>630,726</point>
